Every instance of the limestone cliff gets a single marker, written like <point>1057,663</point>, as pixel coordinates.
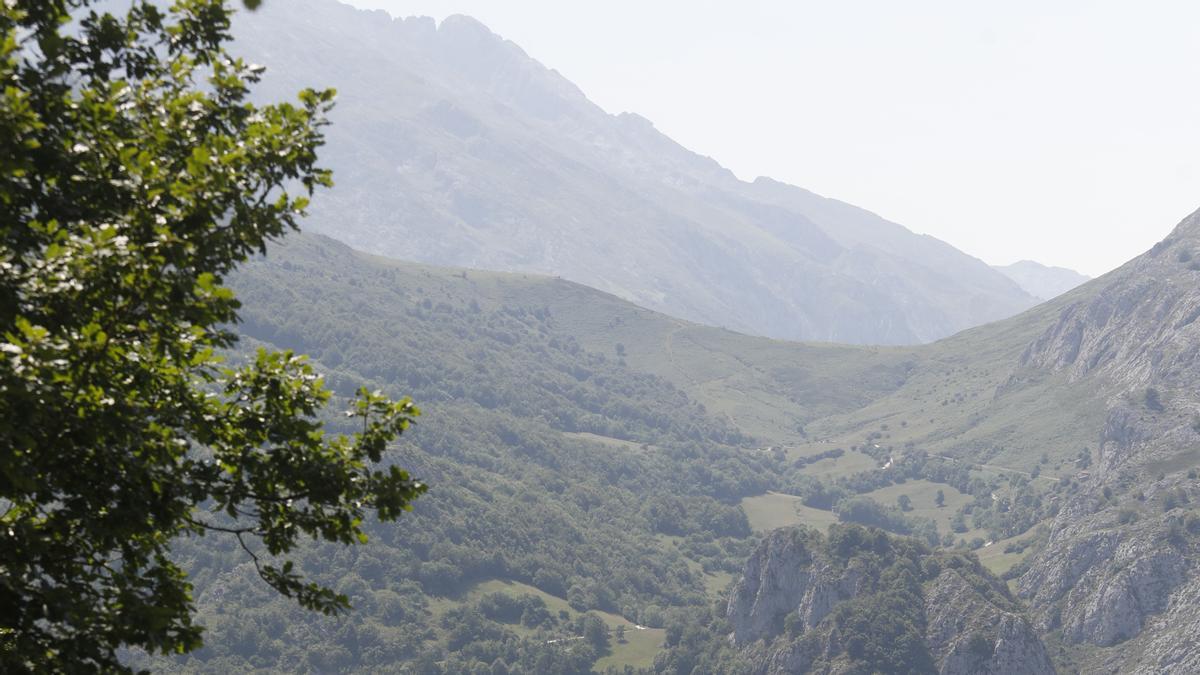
<point>859,600</point>
<point>1117,577</point>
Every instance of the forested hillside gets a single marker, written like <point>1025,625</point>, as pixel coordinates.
<point>598,464</point>
<point>592,453</point>
<point>593,485</point>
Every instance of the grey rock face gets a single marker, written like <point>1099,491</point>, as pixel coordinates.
<point>783,577</point>
<point>969,628</point>
<point>1174,647</point>
<point>967,634</point>
<point>1061,567</point>
<point>451,146</point>
<point>1112,607</point>
<point>1120,564</point>
<point>1101,582</point>
<point>1141,327</point>
<point>777,577</point>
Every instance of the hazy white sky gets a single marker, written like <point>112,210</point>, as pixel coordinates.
<point>1067,132</point>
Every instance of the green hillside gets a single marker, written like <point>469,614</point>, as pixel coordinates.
<point>616,461</point>
<point>796,394</point>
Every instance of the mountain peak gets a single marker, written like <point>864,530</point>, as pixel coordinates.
<point>467,31</point>
<point>1043,282</point>
<point>465,23</point>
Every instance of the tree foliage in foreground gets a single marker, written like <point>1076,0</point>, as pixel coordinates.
<point>134,175</point>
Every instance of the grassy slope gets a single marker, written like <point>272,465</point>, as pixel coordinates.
<point>922,493</point>
<point>962,397</point>
<point>638,649</point>
<point>774,510</point>
<point>770,389</point>
<point>966,397</point>
<point>765,387</point>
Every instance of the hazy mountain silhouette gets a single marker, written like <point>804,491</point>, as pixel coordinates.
<point>1042,281</point>
<point>452,146</point>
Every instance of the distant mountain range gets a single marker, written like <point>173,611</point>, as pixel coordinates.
<point>1041,281</point>
<point>451,146</point>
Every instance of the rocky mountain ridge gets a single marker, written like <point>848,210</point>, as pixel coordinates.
<point>1121,558</point>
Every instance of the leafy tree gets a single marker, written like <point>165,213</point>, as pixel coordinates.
<point>1084,459</point>
<point>904,502</point>
<point>958,522</point>
<point>940,499</point>
<point>134,175</point>
<point>595,632</point>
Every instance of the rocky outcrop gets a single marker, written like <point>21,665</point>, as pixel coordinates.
<point>1113,606</point>
<point>783,577</point>
<point>1173,648</point>
<point>811,604</point>
<point>1117,575</point>
<point>968,633</point>
<point>1101,582</point>
<point>1137,325</point>
<point>773,583</point>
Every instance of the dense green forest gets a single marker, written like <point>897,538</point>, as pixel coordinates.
<point>591,487</point>
<point>555,467</point>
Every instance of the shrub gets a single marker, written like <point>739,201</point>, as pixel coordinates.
<point>1153,399</point>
